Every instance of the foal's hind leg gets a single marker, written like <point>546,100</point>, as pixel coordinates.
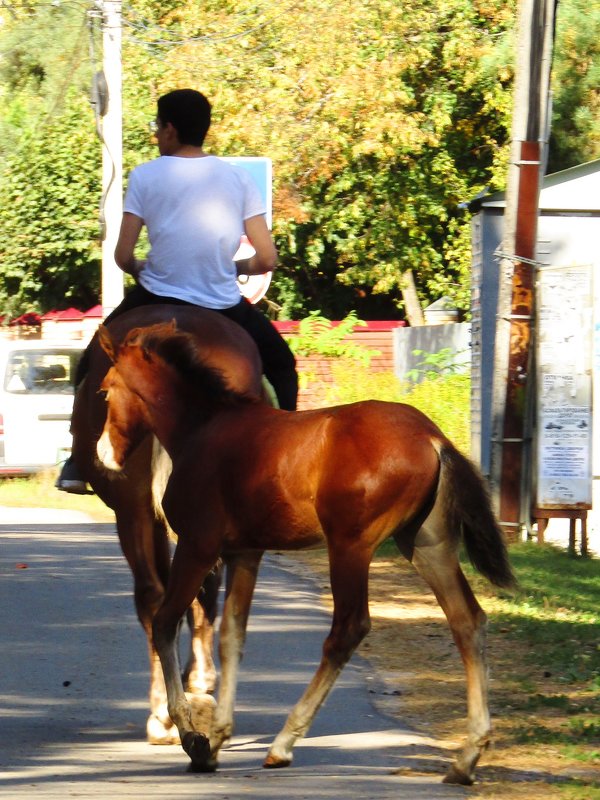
<point>349,586</point>
<point>200,674</point>
<point>438,565</point>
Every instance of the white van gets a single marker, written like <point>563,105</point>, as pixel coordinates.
<point>36,400</point>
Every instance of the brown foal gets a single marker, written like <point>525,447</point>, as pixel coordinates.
<point>248,478</point>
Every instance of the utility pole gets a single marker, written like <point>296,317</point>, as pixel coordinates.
<point>513,366</point>
<point>112,154</point>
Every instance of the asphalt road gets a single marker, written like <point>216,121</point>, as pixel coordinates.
<point>73,686</point>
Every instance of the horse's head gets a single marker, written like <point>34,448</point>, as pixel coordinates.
<point>160,383</point>
<point>126,424</point>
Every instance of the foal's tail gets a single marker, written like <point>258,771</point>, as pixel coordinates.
<point>467,506</point>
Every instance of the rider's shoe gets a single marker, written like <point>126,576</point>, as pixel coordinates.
<point>70,480</point>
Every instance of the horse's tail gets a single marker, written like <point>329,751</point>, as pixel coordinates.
<point>467,506</point>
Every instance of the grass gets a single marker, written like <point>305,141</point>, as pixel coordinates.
<point>553,691</point>
<point>556,610</point>
<point>544,653</point>
<point>38,491</point>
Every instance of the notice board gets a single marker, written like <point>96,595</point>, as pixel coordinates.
<point>565,303</point>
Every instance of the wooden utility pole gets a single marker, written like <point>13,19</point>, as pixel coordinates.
<point>112,155</point>
<point>514,377</point>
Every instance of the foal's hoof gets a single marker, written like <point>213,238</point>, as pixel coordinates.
<point>209,766</point>
<point>160,729</point>
<point>274,762</point>
<point>197,746</point>
<point>202,708</point>
<point>455,775</point>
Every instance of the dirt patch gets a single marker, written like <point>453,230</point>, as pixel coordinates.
<point>420,680</point>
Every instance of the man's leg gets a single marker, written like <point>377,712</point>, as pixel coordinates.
<point>70,479</point>
<point>279,364</point>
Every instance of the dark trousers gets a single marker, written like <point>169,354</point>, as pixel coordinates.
<point>279,364</point>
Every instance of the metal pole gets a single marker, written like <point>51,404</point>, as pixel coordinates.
<point>112,155</point>
<point>513,371</point>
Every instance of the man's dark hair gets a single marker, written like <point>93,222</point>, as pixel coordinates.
<point>188,111</point>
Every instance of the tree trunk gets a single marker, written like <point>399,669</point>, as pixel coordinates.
<point>414,312</point>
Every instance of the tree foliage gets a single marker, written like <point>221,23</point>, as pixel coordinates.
<point>50,186</point>
<point>381,120</point>
<point>576,112</point>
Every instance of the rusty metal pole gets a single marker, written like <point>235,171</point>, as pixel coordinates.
<point>513,374</point>
<point>519,378</point>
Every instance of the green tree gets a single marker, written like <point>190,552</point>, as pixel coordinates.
<point>380,122</point>
<point>575,134</point>
<point>380,118</point>
<point>50,169</point>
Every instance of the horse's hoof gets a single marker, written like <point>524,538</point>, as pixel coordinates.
<point>159,732</point>
<point>274,762</point>
<point>197,746</point>
<point>210,766</point>
<point>202,708</point>
<point>457,776</point>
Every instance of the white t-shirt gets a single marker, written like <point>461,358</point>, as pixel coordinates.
<point>194,210</point>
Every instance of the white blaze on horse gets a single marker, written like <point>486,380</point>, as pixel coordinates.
<point>346,478</point>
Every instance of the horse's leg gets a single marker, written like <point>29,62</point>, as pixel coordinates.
<point>200,674</point>
<point>145,546</point>
<point>242,571</point>
<point>438,564</point>
<point>349,571</point>
<point>188,570</point>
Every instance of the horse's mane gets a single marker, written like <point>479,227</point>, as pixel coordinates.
<point>179,350</point>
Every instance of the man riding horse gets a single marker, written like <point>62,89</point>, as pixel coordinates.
<point>196,207</point>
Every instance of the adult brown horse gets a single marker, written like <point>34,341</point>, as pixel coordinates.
<point>140,523</point>
<point>248,478</point>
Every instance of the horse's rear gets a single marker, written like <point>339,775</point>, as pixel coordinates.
<point>461,514</point>
<point>142,531</point>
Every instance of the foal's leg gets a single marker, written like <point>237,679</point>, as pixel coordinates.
<point>438,565</point>
<point>242,571</point>
<point>349,585</point>
<point>188,570</point>
<point>200,674</point>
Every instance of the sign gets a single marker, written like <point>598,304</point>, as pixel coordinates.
<point>254,287</point>
<point>261,170</point>
<point>564,391</point>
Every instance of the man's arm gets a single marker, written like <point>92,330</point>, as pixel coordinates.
<point>131,226</point>
<point>265,257</point>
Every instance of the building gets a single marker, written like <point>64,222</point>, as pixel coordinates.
<point>568,237</point>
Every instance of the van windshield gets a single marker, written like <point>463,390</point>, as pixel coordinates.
<point>41,371</point>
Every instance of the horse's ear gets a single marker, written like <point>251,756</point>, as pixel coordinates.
<point>173,325</point>
<point>108,344</point>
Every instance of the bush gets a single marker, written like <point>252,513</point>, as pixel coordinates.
<point>444,398</point>
<point>444,395</point>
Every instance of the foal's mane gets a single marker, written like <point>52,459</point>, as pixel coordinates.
<point>179,350</point>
